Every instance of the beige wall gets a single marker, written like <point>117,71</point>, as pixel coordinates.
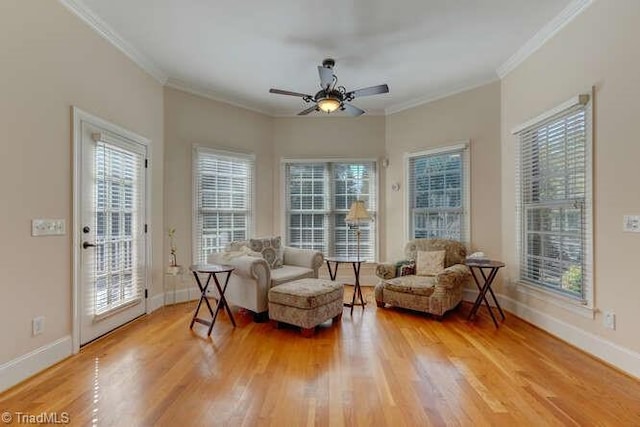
<point>472,116</point>
<point>190,120</point>
<point>599,48</point>
<point>51,61</point>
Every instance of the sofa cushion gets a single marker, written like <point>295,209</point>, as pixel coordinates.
<point>289,272</point>
<point>306,293</point>
<point>270,248</point>
<point>429,263</point>
<point>415,285</point>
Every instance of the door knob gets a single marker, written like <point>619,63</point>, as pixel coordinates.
<point>86,245</point>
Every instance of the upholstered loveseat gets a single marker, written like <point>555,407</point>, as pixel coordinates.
<point>435,294</point>
<point>261,264</point>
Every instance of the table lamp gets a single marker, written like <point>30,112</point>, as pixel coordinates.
<point>356,216</point>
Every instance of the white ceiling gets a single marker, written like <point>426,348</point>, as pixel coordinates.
<point>236,50</point>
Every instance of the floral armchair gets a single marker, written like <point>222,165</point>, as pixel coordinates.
<point>435,294</point>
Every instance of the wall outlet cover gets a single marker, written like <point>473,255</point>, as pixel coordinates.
<point>38,325</point>
<point>609,320</point>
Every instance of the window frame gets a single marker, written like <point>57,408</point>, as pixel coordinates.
<point>199,150</point>
<point>462,146</point>
<point>331,212</point>
<point>585,302</point>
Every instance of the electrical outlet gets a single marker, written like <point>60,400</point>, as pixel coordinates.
<point>38,325</point>
<point>609,320</point>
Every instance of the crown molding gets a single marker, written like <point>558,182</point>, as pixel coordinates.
<point>436,97</point>
<point>210,94</point>
<point>108,33</point>
<point>568,14</point>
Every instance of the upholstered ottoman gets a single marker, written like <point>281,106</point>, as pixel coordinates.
<point>306,303</point>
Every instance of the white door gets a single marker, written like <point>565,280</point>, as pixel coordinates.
<point>112,230</point>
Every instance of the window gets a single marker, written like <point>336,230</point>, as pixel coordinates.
<point>222,196</point>
<point>438,185</point>
<point>318,198</point>
<point>554,203</point>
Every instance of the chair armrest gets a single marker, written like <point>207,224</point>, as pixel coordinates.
<point>303,258</point>
<point>452,276</point>
<point>386,271</point>
<point>245,265</point>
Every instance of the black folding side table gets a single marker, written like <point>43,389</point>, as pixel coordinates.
<point>212,270</point>
<point>488,271</point>
<point>357,291</point>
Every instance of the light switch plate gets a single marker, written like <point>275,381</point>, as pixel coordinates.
<point>48,227</point>
<point>631,223</point>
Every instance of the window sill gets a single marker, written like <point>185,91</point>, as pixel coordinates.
<point>557,300</point>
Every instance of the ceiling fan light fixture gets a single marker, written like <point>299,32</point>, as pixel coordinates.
<point>329,104</point>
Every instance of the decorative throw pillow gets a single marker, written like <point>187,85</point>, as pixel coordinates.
<point>429,263</point>
<point>406,268</point>
<point>227,256</point>
<point>270,248</point>
<point>236,245</point>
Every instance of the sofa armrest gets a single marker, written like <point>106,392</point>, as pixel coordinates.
<point>303,258</point>
<point>246,266</point>
<point>452,276</point>
<point>386,271</point>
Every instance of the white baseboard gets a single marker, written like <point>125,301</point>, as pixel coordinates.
<point>154,303</point>
<point>612,353</point>
<point>623,358</point>
<point>169,298</point>
<point>182,295</point>
<point>21,368</point>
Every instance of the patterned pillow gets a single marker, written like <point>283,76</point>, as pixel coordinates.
<point>406,268</point>
<point>270,248</point>
<point>429,263</point>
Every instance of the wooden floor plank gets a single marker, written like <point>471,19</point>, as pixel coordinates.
<point>381,366</point>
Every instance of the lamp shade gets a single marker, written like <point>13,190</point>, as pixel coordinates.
<point>357,212</point>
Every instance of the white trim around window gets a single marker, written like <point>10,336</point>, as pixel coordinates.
<point>232,198</point>
<point>462,147</point>
<point>334,242</point>
<point>554,213</point>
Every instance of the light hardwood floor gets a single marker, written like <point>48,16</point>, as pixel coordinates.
<point>377,367</point>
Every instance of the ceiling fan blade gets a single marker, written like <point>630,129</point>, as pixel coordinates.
<point>352,110</point>
<point>368,91</point>
<point>308,110</point>
<point>326,76</point>
<point>288,92</point>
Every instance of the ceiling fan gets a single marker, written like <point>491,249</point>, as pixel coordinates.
<point>332,97</point>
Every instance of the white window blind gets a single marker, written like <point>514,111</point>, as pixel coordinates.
<point>554,202</point>
<point>119,261</point>
<point>318,198</point>
<point>222,196</point>
<point>438,194</point>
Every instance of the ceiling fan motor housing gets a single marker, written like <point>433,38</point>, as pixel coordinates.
<point>328,63</point>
